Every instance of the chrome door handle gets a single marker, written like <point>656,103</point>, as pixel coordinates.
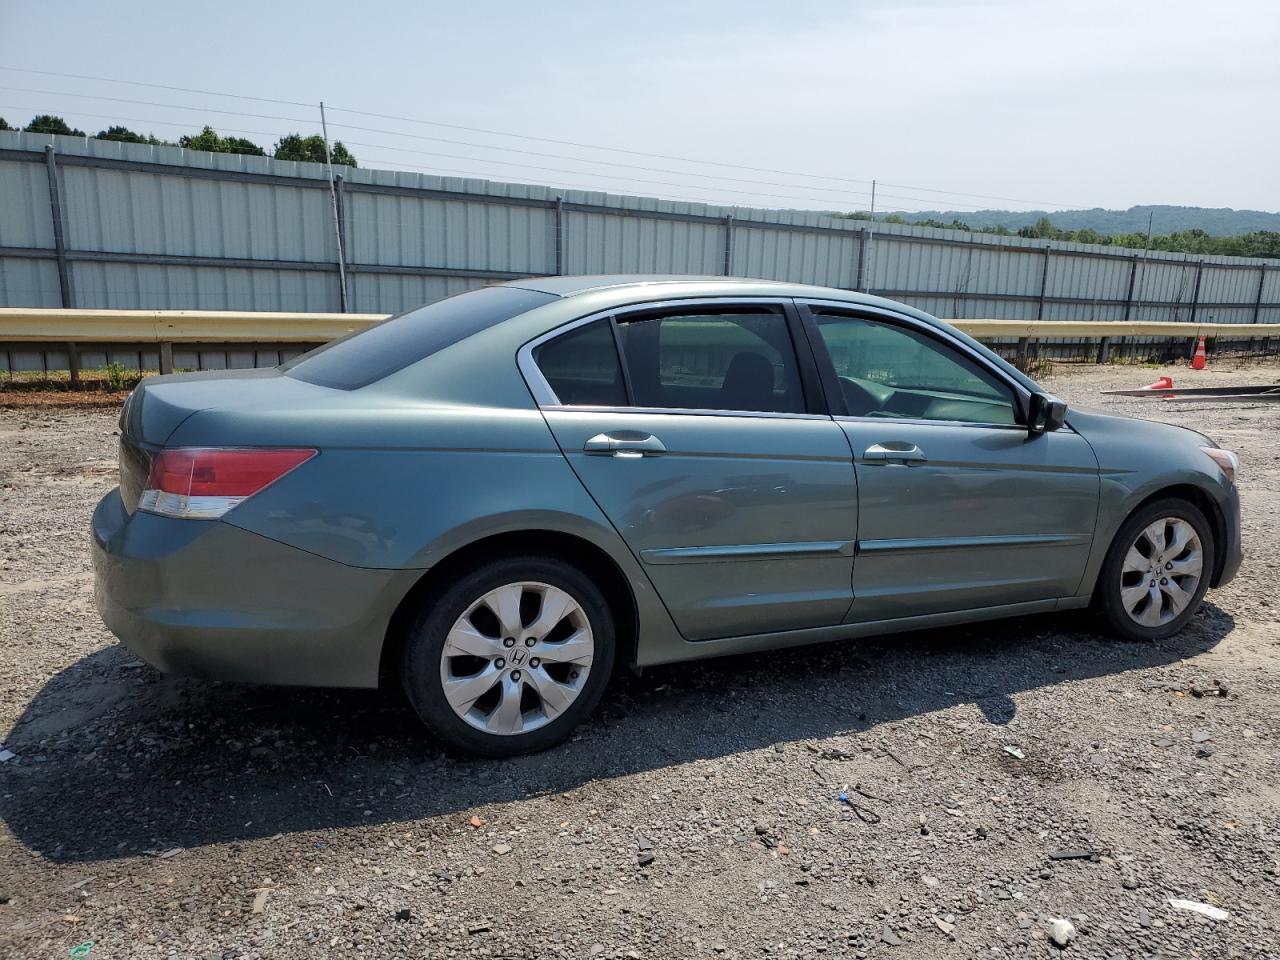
<point>894,451</point>
<point>628,444</point>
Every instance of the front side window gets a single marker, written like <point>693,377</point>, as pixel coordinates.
<point>738,359</point>
<point>887,370</point>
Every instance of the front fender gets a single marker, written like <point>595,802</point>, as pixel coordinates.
<point>1137,460</point>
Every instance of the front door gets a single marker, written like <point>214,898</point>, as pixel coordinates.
<point>700,448</point>
<point>958,507</point>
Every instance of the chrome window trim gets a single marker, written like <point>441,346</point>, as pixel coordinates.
<point>546,398</point>
<point>684,411</point>
<point>921,422</point>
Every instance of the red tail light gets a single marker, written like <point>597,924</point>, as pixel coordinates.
<point>206,482</point>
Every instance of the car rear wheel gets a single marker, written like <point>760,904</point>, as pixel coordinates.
<point>1156,571</point>
<point>510,657</point>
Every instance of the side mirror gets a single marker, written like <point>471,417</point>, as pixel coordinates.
<point>1045,412</point>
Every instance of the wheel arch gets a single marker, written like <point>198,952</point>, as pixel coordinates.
<point>1202,500</point>
<point>586,556</point>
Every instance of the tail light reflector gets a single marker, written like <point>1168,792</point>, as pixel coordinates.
<point>203,483</point>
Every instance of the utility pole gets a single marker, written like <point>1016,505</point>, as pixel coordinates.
<point>337,221</point>
<point>865,272</point>
<point>1145,247</point>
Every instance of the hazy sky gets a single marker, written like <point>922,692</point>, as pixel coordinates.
<point>1056,103</point>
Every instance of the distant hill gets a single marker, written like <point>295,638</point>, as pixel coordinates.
<point>1215,221</point>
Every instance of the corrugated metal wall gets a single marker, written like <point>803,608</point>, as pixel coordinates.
<point>160,227</point>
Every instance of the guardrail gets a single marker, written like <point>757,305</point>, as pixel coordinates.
<point>24,325</point>
<point>169,327</point>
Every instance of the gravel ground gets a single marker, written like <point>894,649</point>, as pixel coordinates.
<point>695,816</point>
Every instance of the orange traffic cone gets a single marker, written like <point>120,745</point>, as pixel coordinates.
<point>1164,383</point>
<point>1198,358</point>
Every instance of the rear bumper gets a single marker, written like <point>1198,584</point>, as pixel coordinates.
<point>206,599</point>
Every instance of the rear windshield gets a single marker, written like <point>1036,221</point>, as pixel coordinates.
<point>360,358</point>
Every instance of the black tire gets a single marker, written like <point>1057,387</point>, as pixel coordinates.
<point>1107,603</point>
<point>420,672</point>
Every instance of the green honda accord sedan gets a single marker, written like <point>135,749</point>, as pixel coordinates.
<point>498,498</point>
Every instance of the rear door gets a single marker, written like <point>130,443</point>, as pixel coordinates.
<point>700,435</point>
<point>959,507</point>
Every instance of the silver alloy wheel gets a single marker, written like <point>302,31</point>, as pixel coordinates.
<point>1161,572</point>
<point>517,658</point>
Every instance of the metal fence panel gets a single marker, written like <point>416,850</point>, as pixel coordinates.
<point>605,243</point>
<point>1093,277</point>
<point>159,227</point>
<point>1222,285</point>
<point>29,283</point>
<point>1090,310</point>
<point>151,287</point>
<point>24,205</point>
<point>896,266</point>
<point>1225,315</point>
<point>407,231</point>
<point>829,260</point>
<point>383,293</point>
<point>134,212</point>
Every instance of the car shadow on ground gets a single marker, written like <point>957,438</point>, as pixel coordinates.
<point>115,759</point>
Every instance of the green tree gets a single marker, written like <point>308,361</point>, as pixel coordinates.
<point>47,123</point>
<point>1042,229</point>
<point>1195,240</point>
<point>3,125</point>
<point>208,139</point>
<point>125,135</point>
<point>297,147</point>
<point>1260,243</point>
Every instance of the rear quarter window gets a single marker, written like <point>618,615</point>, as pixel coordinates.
<point>368,355</point>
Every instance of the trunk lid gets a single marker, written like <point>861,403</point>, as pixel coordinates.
<point>159,405</point>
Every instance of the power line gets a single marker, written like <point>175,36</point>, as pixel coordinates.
<point>665,156</point>
<point>607,176</point>
<point>718,178</point>
<point>429,170</point>
<point>529,137</point>
<point>185,125</point>
<point>394,133</point>
<point>384,162</point>
<point>821,201</point>
<point>156,86</point>
<point>153,103</point>
<point>864,194</point>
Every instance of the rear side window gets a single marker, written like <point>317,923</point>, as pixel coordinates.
<point>582,367</point>
<point>361,358</point>
<point>732,359</point>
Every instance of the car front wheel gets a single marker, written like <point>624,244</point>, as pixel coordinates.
<point>1156,571</point>
<point>509,658</point>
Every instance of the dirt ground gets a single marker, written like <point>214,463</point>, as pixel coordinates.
<point>1006,776</point>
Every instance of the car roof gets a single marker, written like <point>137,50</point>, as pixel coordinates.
<point>607,291</point>
<point>613,290</point>
<point>714,285</point>
<point>571,286</point>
